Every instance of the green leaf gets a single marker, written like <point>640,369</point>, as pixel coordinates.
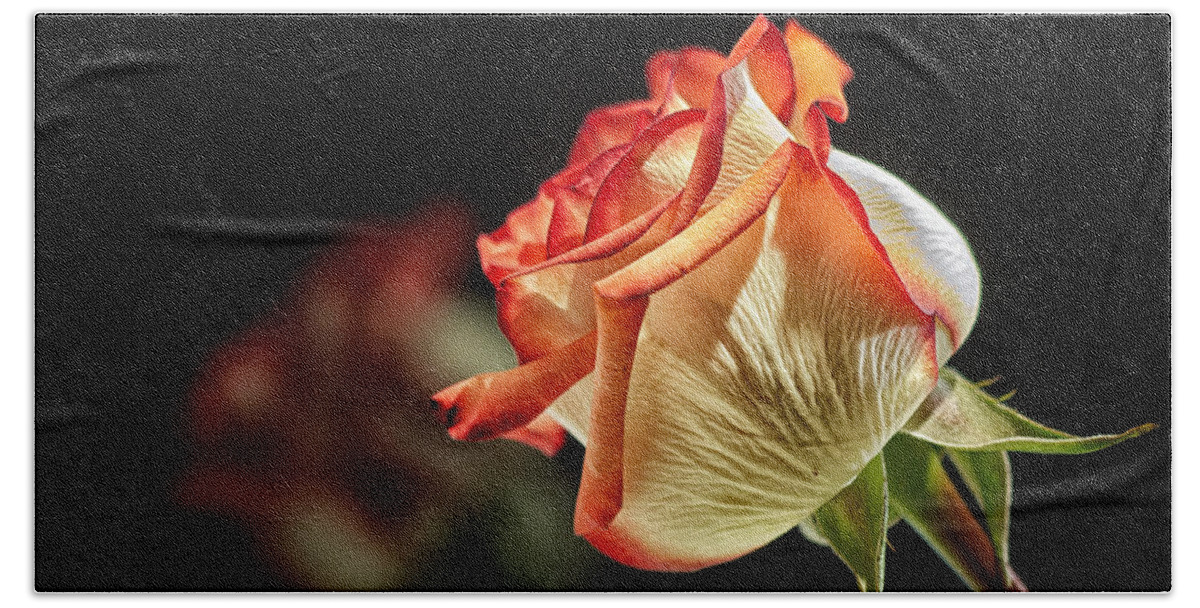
<point>854,525</point>
<point>921,491</point>
<point>988,475</point>
<point>958,414</point>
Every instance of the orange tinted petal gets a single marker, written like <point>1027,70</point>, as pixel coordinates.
<point>658,73</point>
<point>608,127</point>
<point>543,434</point>
<point>762,48</point>
<point>617,326</point>
<point>748,130</point>
<point>819,76</point>
<point>652,171</point>
<point>520,242</point>
<point>690,82</point>
<point>821,218</point>
<point>487,405</point>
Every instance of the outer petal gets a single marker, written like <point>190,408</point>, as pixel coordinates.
<point>763,49</point>
<point>543,434</point>
<point>609,127</point>
<point>820,74</point>
<point>819,78</point>
<point>494,403</point>
<point>520,242</point>
<point>764,381</point>
<point>621,301</point>
<point>928,252</point>
<point>683,79</point>
<point>544,306</point>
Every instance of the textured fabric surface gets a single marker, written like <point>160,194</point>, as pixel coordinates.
<point>188,166</point>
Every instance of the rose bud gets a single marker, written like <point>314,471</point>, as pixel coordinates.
<point>737,320</point>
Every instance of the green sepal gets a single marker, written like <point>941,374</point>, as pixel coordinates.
<point>959,414</point>
<point>921,491</point>
<point>988,476</point>
<point>854,524</point>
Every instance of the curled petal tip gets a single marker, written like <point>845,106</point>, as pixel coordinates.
<point>446,407</point>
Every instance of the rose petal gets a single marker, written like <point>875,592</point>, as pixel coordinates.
<point>927,251</point>
<point>618,325</point>
<point>769,64</point>
<point>573,196</point>
<point>520,242</point>
<point>608,127</point>
<point>544,306</point>
<point>751,132</point>
<point>652,171</point>
<point>493,403</point>
<point>764,383</point>
<point>820,75</point>
<point>621,302</point>
<point>684,79</point>
<point>543,434</point>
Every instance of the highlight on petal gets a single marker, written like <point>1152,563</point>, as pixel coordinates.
<point>927,251</point>
<point>958,414</point>
<point>652,171</point>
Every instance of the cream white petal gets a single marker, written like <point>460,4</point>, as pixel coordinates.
<point>757,394</point>
<point>928,252</point>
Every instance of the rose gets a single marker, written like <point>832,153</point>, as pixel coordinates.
<point>739,322</point>
<point>733,317</point>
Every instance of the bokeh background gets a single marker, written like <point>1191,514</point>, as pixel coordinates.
<point>189,168</point>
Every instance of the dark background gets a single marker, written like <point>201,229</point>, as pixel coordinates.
<point>1046,139</point>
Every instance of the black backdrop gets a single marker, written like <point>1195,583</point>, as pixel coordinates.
<point>1045,138</point>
